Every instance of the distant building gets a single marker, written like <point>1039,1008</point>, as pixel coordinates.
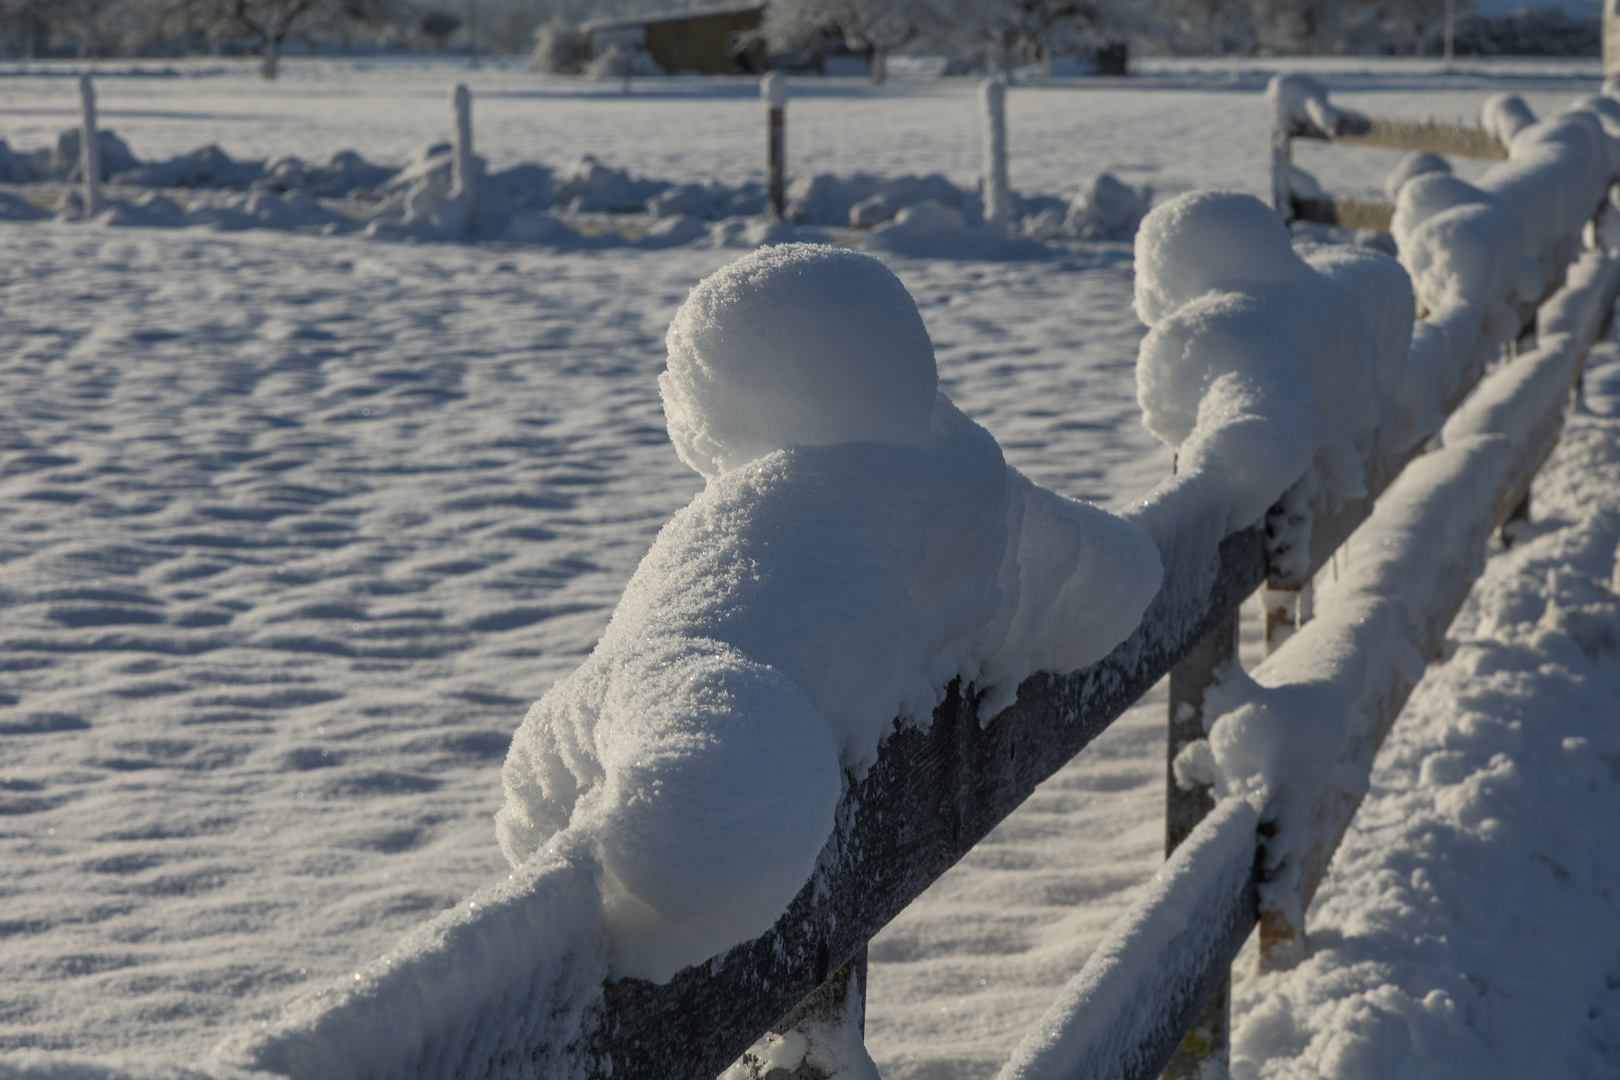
<point>704,40</point>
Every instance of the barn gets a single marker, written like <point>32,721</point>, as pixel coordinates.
<point>709,41</point>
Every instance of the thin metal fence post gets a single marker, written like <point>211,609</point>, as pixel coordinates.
<point>1451,32</point>
<point>1611,41</point>
<point>773,88</point>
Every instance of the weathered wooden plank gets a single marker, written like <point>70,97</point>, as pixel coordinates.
<point>1195,673</point>
<point>1421,135</point>
<point>1348,211</point>
<point>1392,133</point>
<point>932,795</point>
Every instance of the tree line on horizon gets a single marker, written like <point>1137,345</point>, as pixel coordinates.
<point>976,33</point>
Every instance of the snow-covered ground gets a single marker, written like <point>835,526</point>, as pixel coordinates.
<point>293,528</point>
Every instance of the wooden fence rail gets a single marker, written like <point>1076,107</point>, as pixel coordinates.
<point>932,795</point>
<point>1354,129</point>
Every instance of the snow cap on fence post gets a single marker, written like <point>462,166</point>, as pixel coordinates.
<point>89,146</point>
<point>773,89</point>
<point>1282,156</point>
<point>463,185</point>
<point>996,194</point>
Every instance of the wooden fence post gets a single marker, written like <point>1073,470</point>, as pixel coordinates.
<point>89,146</point>
<point>823,1013</point>
<point>1282,155</point>
<point>1287,609</point>
<point>1183,810</point>
<point>1519,515</point>
<point>1611,40</point>
<point>773,88</point>
<point>996,196</point>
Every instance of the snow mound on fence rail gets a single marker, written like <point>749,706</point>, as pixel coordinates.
<point>1498,242</point>
<point>860,544</point>
<point>503,985</point>
<point>1257,360</point>
<point>1300,729</point>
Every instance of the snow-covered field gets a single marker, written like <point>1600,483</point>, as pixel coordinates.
<point>293,528</point>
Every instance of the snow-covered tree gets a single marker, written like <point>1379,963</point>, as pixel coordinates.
<point>1222,27</point>
<point>873,26</point>
<point>1002,33</point>
<point>560,48</point>
<point>271,21</point>
<point>100,27</point>
<point>90,27</point>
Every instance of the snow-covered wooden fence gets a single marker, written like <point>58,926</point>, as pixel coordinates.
<point>1416,534</point>
<point>934,793</point>
<point>1300,111</point>
<point>497,988</point>
<point>1418,551</point>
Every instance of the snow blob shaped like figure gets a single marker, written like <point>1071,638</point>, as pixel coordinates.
<point>859,544</point>
<point>1259,359</point>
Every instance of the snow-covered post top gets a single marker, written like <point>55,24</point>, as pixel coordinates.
<point>89,147</point>
<point>996,194</point>
<point>1301,107</point>
<point>1282,153</point>
<point>773,91</point>
<point>461,174</point>
<point>806,345</point>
